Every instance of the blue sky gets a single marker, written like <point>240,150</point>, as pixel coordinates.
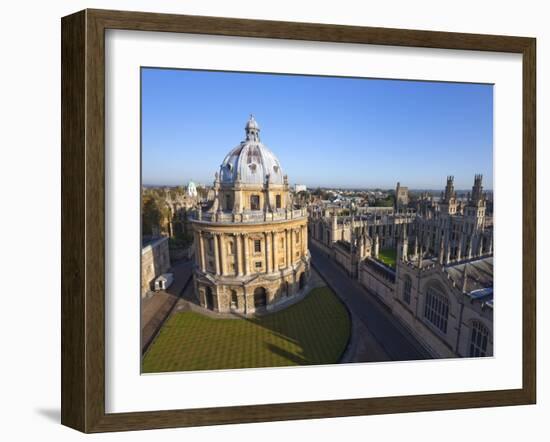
<point>326,131</point>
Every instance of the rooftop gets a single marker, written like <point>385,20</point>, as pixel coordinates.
<point>479,278</point>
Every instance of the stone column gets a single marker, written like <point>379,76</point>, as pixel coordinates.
<point>287,244</point>
<point>239,254</point>
<point>202,258</point>
<point>197,249</point>
<point>217,300</point>
<point>275,260</point>
<point>246,263</point>
<point>223,252</point>
<point>292,235</point>
<point>268,257</point>
<point>244,292</point>
<point>216,254</point>
<point>304,239</point>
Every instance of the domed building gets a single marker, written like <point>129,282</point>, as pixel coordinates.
<point>251,245</point>
<point>192,190</point>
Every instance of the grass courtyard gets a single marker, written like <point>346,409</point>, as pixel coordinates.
<point>313,331</point>
<point>388,257</point>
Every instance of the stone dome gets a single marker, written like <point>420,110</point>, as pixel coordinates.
<point>191,189</point>
<point>251,162</point>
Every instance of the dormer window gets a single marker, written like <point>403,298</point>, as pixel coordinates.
<point>276,169</point>
<point>252,167</point>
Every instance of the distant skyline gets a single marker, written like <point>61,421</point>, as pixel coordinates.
<point>326,131</point>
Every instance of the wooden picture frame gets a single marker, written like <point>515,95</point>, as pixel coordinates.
<point>83,220</point>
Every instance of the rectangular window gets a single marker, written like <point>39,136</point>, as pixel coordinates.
<point>257,246</point>
<point>254,202</point>
<point>278,201</point>
<point>258,264</point>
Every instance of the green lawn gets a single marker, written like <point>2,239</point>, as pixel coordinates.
<point>388,257</point>
<point>313,331</point>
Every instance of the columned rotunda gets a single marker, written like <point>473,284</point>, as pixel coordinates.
<point>251,244</point>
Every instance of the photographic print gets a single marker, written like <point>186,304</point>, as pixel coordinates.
<point>291,220</point>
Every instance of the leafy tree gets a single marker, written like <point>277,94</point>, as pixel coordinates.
<point>150,215</point>
<point>385,202</point>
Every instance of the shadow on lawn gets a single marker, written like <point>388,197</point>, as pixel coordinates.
<point>298,360</point>
<point>315,326</point>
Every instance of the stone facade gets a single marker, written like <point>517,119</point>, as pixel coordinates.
<point>251,249</point>
<point>155,260</point>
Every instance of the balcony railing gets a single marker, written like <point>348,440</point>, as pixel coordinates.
<point>255,216</point>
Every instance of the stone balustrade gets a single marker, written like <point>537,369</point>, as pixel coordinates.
<point>250,217</point>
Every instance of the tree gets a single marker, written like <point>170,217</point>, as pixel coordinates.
<point>150,215</point>
<point>385,202</point>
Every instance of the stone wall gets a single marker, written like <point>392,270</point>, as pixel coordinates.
<point>378,282</point>
<point>155,260</point>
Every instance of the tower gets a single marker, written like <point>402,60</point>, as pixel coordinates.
<point>449,188</point>
<point>448,199</point>
<point>474,212</point>
<point>401,196</point>
<point>477,190</point>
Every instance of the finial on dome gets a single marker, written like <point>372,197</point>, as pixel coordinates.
<point>252,129</point>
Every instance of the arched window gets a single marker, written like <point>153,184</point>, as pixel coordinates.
<point>436,310</point>
<point>260,297</point>
<point>407,289</point>
<point>478,340</point>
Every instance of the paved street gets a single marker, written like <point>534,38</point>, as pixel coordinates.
<point>397,343</point>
